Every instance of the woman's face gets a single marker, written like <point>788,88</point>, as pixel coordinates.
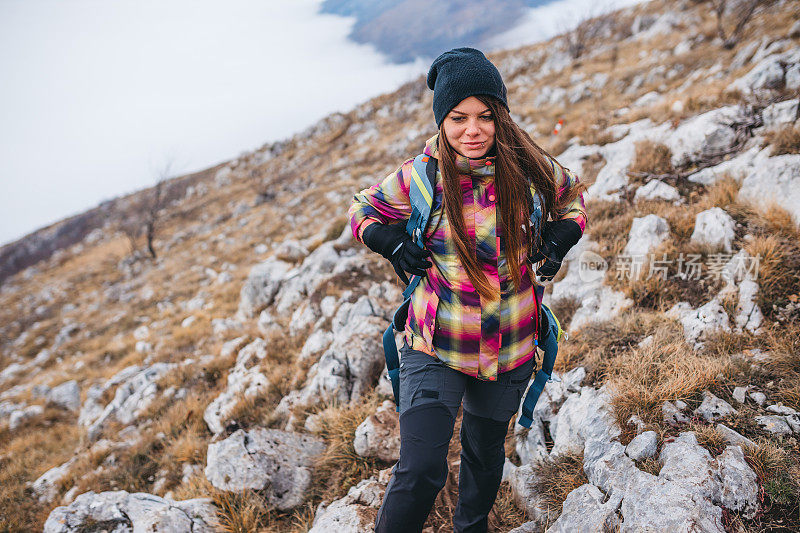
<point>469,128</point>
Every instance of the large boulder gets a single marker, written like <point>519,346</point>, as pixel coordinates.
<point>646,233</point>
<point>276,462</point>
<point>379,435</point>
<point>244,381</point>
<point>133,396</point>
<point>261,285</point>
<point>119,511</point>
<point>354,513</point>
<point>714,227</point>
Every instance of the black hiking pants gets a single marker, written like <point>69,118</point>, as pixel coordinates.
<point>430,395</point>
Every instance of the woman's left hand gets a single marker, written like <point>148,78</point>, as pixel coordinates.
<point>558,237</point>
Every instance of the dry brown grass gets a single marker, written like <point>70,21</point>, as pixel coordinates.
<point>721,194</point>
<point>340,467</point>
<point>596,345</point>
<point>650,158</point>
<point>783,345</point>
<point>556,478</point>
<point>643,378</point>
<point>784,140</point>
<point>24,458</point>
<point>651,465</point>
<point>778,271</point>
<point>778,470</point>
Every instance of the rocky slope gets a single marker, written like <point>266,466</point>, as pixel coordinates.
<point>138,393</point>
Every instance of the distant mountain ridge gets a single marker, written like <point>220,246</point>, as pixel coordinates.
<point>408,29</point>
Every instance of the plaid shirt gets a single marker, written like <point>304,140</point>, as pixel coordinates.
<point>447,318</point>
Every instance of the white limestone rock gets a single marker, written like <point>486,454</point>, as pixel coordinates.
<point>244,381</point>
<point>713,408</point>
<point>598,302</point>
<point>354,513</point>
<point>732,437</point>
<point>703,135</point>
<point>586,510</point>
<point>643,446</point>
<point>46,486</point>
<point>714,227</point>
<point>136,390</point>
<point>17,418</point>
<point>66,395</point>
<point>657,190</point>
<point>699,324</point>
<point>261,285</point>
<point>379,435</point>
<point>774,179</point>
<point>530,443</point>
<point>646,233</point>
<point>770,69</point>
<point>777,425</point>
<point>277,462</point>
<point>672,415</point>
<point>120,511</point>
<point>352,363</point>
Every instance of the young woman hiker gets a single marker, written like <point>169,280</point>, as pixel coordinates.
<point>473,318</point>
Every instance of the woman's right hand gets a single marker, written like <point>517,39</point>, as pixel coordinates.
<point>395,244</point>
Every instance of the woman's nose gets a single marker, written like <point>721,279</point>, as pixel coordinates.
<point>472,128</point>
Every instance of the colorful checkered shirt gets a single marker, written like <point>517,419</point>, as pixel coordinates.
<point>447,318</point>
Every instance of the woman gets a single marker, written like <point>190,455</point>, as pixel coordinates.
<point>473,319</point>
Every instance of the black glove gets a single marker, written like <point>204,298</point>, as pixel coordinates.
<point>558,237</point>
<point>393,243</point>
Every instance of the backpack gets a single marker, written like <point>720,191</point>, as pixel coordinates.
<point>550,333</point>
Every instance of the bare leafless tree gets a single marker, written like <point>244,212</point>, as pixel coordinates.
<point>143,215</point>
<point>593,23</point>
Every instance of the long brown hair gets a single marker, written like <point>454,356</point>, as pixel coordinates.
<point>520,162</point>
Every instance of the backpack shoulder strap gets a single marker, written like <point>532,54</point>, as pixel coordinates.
<point>421,197</point>
<point>423,177</point>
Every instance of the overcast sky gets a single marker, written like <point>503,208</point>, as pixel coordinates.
<point>98,96</point>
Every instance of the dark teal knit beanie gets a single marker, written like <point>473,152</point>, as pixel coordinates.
<point>460,73</point>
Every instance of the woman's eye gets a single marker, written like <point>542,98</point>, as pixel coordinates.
<point>486,117</point>
<point>457,119</point>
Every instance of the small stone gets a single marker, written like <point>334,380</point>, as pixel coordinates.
<point>680,404</point>
<point>759,397</point>
<point>643,446</point>
<point>739,393</point>
<point>713,408</point>
<point>672,415</point>
<point>732,437</point>
<point>794,422</point>
<point>776,425</point>
<point>781,409</point>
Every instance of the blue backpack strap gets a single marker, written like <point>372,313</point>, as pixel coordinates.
<point>421,197</point>
<point>548,342</point>
<point>423,176</point>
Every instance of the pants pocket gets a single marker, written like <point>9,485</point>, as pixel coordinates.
<point>513,391</point>
<point>421,378</point>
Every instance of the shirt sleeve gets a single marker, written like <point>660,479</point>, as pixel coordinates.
<point>575,210</point>
<point>385,202</point>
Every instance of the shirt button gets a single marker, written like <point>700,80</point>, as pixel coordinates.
<point>491,197</point>
<point>488,163</point>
